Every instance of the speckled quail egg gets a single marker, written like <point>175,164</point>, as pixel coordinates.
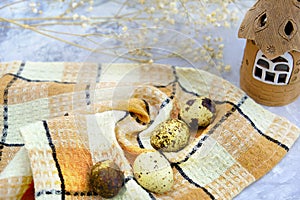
<point>170,136</point>
<point>198,112</point>
<point>153,172</point>
<point>106,179</point>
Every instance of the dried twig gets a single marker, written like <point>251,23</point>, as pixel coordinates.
<point>191,18</point>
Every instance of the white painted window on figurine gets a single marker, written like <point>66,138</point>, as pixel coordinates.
<point>276,71</point>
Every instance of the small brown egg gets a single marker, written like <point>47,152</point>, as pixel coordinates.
<point>106,179</point>
<point>153,172</point>
<point>198,112</point>
<point>170,136</point>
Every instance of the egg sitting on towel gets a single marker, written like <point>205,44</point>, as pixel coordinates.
<point>106,179</point>
<point>153,172</point>
<point>198,112</point>
<point>170,136</point>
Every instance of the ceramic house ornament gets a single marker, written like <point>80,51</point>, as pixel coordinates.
<point>270,71</point>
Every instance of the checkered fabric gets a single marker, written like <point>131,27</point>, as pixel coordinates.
<point>58,119</point>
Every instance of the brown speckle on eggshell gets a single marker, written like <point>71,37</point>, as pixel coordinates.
<point>198,112</point>
<point>170,136</point>
<point>153,172</point>
<point>106,179</point>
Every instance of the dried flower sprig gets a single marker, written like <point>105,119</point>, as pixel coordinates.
<point>195,19</point>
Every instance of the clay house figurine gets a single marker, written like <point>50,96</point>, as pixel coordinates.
<point>270,71</point>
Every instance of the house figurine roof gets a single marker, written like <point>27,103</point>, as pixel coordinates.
<point>274,26</point>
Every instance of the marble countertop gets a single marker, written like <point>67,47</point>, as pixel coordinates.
<point>281,183</point>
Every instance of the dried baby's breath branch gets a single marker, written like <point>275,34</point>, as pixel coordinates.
<point>85,36</point>
<point>10,4</point>
<point>121,8</point>
<point>48,24</point>
<point>73,5</point>
<point>42,18</point>
<point>194,18</point>
<point>186,10</point>
<point>45,34</point>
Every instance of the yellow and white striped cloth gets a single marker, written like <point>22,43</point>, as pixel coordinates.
<point>58,119</point>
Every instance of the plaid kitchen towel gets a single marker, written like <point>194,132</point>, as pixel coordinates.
<point>58,119</point>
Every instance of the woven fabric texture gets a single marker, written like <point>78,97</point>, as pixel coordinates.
<point>58,119</point>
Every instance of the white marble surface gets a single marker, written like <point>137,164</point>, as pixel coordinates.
<point>282,183</point>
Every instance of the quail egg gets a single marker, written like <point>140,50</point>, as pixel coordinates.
<point>153,172</point>
<point>198,112</point>
<point>106,179</point>
<point>170,136</point>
